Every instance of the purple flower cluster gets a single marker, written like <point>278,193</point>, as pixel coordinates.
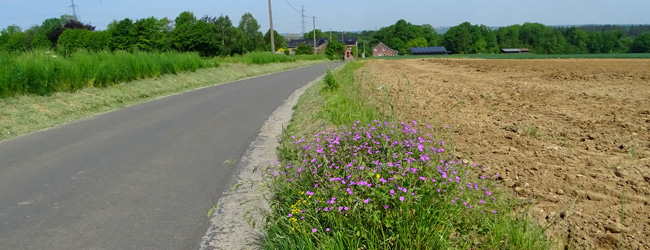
<point>378,165</point>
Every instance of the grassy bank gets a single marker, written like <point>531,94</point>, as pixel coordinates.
<point>43,73</point>
<point>27,113</point>
<point>350,178</point>
<point>527,56</point>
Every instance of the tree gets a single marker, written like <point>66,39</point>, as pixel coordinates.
<point>471,39</point>
<point>72,40</point>
<point>197,35</point>
<point>150,34</point>
<point>16,42</point>
<point>310,34</point>
<point>7,32</point>
<point>304,49</point>
<point>417,42</point>
<point>185,18</point>
<point>431,35</point>
<point>123,35</point>
<point>335,50</point>
<point>277,38</point>
<point>641,43</point>
<point>252,37</point>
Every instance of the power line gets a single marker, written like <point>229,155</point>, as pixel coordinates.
<point>294,8</point>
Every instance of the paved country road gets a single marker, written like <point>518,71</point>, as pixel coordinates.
<point>143,177</point>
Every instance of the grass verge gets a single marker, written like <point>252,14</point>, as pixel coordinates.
<point>349,178</point>
<point>28,113</point>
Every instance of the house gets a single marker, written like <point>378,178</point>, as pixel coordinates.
<point>321,44</point>
<point>440,50</point>
<point>349,43</point>
<point>515,51</point>
<point>382,50</point>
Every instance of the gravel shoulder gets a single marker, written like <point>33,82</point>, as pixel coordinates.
<point>237,219</point>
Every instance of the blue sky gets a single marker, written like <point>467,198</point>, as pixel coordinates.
<point>341,15</point>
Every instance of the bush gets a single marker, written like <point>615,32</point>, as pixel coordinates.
<point>304,49</point>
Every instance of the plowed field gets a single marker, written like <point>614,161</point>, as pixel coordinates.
<point>571,135</point>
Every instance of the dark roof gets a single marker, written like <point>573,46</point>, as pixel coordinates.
<point>428,50</point>
<point>348,40</point>
<point>521,50</point>
<point>310,42</point>
<point>386,46</point>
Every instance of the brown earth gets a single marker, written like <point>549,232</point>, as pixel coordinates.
<point>573,134</point>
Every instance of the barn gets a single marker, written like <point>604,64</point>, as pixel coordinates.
<point>514,51</point>
<point>440,50</point>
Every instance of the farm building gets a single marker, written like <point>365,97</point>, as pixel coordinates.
<point>515,51</point>
<point>382,50</point>
<point>428,50</point>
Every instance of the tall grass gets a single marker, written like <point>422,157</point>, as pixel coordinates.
<point>267,57</point>
<point>43,73</point>
<point>364,183</point>
<point>257,58</point>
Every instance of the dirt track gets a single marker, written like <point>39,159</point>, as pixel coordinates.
<point>556,130</point>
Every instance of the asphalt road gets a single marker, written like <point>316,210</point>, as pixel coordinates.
<point>143,177</point>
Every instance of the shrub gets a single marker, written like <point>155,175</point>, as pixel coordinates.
<point>330,81</point>
<point>304,49</point>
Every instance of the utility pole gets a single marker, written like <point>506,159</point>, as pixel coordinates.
<point>330,35</point>
<point>314,35</point>
<point>304,24</point>
<point>74,10</point>
<point>271,30</point>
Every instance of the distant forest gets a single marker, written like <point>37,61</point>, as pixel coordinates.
<point>217,36</point>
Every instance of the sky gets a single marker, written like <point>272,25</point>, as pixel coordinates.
<point>339,15</point>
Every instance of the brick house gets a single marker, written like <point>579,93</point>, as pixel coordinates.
<point>382,50</point>
<point>349,43</point>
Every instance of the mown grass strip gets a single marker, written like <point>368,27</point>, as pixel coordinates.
<point>351,179</point>
<point>28,113</point>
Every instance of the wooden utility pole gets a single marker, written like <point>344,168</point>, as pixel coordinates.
<point>314,34</point>
<point>330,35</point>
<point>271,30</point>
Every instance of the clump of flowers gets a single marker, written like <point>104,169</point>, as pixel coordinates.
<point>376,177</point>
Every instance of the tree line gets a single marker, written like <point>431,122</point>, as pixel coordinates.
<point>209,36</point>
<point>217,36</point>
<point>467,38</point>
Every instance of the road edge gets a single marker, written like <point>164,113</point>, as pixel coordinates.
<point>238,217</point>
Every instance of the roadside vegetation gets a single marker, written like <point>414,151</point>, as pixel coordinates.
<point>41,72</point>
<point>350,177</point>
<point>22,114</point>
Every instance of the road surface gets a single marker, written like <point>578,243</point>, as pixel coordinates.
<point>143,177</point>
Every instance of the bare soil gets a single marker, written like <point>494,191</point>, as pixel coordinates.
<point>571,134</point>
